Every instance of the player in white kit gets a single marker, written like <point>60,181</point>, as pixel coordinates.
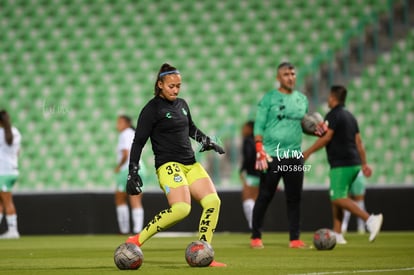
<point>126,136</point>
<point>9,150</point>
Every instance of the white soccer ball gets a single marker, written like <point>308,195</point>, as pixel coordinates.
<point>324,239</point>
<point>128,256</point>
<point>199,254</point>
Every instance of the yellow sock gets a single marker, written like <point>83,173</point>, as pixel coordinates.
<point>209,217</point>
<point>164,220</point>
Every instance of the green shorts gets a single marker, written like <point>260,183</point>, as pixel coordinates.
<point>7,182</point>
<point>121,179</point>
<point>341,180</point>
<point>358,186</point>
<point>252,181</point>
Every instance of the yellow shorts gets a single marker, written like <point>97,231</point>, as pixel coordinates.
<point>174,174</point>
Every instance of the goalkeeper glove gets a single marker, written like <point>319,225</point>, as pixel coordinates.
<point>134,181</point>
<point>207,145</point>
<point>261,157</point>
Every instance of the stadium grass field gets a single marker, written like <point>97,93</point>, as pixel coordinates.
<point>392,253</point>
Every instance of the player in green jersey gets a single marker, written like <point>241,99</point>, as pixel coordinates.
<point>278,136</point>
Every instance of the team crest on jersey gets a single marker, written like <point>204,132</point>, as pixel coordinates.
<point>184,111</point>
<point>168,115</point>
<point>178,178</point>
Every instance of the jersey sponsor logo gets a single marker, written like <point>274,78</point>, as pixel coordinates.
<point>184,111</point>
<point>168,115</point>
<point>178,178</point>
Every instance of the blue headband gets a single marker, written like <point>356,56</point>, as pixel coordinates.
<point>169,72</point>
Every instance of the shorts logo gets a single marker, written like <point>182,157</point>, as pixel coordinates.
<point>178,178</point>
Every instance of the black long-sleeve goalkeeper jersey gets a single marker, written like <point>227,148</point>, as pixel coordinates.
<point>169,126</point>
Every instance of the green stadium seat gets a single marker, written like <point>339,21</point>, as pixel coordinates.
<point>69,67</point>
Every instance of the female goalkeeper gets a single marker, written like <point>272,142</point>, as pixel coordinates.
<point>166,120</point>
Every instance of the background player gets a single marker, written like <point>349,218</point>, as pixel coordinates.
<point>166,120</point>
<point>126,136</point>
<point>10,139</point>
<point>249,176</point>
<point>346,157</point>
<point>357,194</point>
<point>278,132</point>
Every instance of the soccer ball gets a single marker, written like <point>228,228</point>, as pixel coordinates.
<point>199,254</point>
<point>324,239</point>
<point>128,256</point>
<point>310,123</point>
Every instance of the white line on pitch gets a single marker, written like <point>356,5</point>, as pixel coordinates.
<point>357,271</point>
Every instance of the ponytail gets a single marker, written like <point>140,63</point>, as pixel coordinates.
<point>165,69</point>
<point>5,122</point>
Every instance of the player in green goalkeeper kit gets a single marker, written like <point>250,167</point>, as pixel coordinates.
<point>278,136</point>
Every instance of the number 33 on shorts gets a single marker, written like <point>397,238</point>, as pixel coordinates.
<point>172,168</point>
<point>174,174</point>
<point>170,175</point>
